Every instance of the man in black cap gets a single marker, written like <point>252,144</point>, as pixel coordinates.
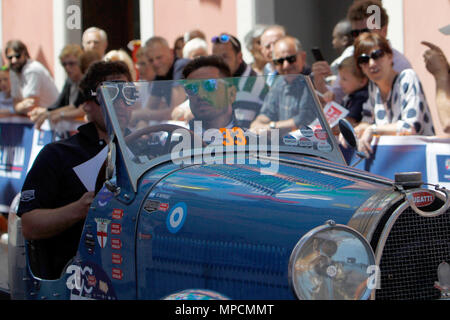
<point>54,201</point>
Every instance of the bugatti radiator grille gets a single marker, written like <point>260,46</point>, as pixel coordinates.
<point>413,251</point>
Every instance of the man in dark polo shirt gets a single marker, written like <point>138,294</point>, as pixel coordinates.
<point>167,66</point>
<point>54,201</point>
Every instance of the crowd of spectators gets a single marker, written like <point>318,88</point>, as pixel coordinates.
<point>370,78</point>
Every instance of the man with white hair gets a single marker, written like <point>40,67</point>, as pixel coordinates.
<point>95,39</point>
<point>195,48</point>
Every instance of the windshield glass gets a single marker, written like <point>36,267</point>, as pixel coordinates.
<point>214,117</point>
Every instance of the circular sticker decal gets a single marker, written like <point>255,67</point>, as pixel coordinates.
<point>306,131</point>
<point>290,140</point>
<point>176,217</point>
<point>321,134</point>
<point>305,143</point>
<point>324,146</point>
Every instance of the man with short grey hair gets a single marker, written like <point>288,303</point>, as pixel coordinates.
<point>167,67</point>
<point>163,60</point>
<point>95,39</point>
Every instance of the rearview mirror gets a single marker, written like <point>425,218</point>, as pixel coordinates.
<point>348,133</point>
<point>350,137</point>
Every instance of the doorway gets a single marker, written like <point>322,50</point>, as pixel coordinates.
<point>119,18</point>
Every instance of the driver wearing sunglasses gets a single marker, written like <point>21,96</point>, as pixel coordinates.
<point>210,98</point>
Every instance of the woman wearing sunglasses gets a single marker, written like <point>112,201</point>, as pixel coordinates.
<point>396,103</point>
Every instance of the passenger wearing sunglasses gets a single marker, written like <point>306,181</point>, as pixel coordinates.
<point>358,14</point>
<point>66,106</point>
<point>396,103</point>
<point>54,200</point>
<point>31,83</point>
<point>282,109</point>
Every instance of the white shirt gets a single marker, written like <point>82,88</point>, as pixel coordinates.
<point>406,106</point>
<point>34,80</point>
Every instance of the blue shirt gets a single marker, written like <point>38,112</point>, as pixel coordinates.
<point>290,100</point>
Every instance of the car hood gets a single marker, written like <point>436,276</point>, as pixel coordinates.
<point>302,194</point>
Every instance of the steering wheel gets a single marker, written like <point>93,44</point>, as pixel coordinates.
<point>169,128</point>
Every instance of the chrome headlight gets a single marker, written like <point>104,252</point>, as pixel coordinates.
<point>332,262</point>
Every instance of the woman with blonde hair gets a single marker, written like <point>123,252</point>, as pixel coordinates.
<point>66,107</point>
<point>121,55</point>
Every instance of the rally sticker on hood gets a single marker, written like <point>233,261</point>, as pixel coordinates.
<point>423,198</point>
<point>290,140</point>
<point>176,217</point>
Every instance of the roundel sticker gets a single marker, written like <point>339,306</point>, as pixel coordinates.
<point>176,217</point>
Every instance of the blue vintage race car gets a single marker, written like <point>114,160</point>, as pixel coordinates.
<point>192,211</point>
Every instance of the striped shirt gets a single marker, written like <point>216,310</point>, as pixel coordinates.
<point>251,91</point>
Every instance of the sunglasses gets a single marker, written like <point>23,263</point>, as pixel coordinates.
<point>375,55</point>
<point>224,38</point>
<point>69,63</point>
<point>290,60</point>
<point>17,56</point>
<point>356,32</point>
<point>209,85</point>
<point>127,92</point>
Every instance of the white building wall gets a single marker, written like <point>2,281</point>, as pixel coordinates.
<point>146,9</point>
<point>245,23</point>
<point>395,12</point>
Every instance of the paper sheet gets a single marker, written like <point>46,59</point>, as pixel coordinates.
<point>88,171</point>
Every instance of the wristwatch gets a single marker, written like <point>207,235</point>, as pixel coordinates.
<point>272,125</point>
<point>374,128</point>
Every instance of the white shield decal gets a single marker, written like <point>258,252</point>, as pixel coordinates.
<point>102,231</point>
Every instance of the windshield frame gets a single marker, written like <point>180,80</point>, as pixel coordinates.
<point>136,170</point>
